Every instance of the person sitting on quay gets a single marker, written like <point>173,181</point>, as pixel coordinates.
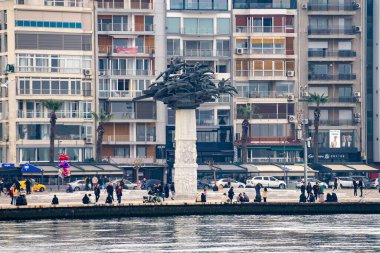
<point>302,198</point>
<point>311,198</point>
<point>109,200</point>
<point>86,199</point>
<point>240,198</point>
<point>55,200</point>
<point>203,197</point>
<point>245,198</point>
<point>91,199</point>
<point>225,198</point>
<point>69,189</point>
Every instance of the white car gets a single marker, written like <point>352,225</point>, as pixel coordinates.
<point>374,183</point>
<point>78,185</point>
<point>345,182</point>
<point>127,184</point>
<point>270,182</point>
<point>312,181</point>
<point>224,183</point>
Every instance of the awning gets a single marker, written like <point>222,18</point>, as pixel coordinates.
<point>30,168</point>
<point>338,168</point>
<point>90,168</point>
<point>109,167</point>
<point>298,167</point>
<point>363,168</point>
<point>262,168</point>
<point>222,167</point>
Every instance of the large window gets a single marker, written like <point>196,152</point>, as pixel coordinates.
<point>199,26</point>
<point>223,25</point>
<point>174,25</point>
<point>199,5</point>
<point>264,4</point>
<point>173,47</point>
<point>269,130</point>
<point>51,86</point>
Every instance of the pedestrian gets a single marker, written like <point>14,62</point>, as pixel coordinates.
<point>85,199</point>
<point>203,197</point>
<point>172,190</point>
<point>91,199</point>
<point>167,191</point>
<point>316,190</point>
<point>265,194</point>
<point>302,198</point>
<point>144,185</point>
<point>258,187</point>
<point>1,185</point>
<point>28,186</point>
<point>335,184</point>
<point>309,190</point>
<point>138,187</point>
<point>321,192</point>
<point>11,191</point>
<point>303,188</point>
<point>55,200</point>
<point>119,193</point>
<point>231,194</point>
<point>86,183</point>
<point>355,184</point>
<point>97,192</point>
<point>100,183</point>
<point>225,199</point>
<point>94,181</point>
<point>122,183</point>
<point>361,187</point>
<point>339,185</point>
<point>109,190</point>
<point>16,194</point>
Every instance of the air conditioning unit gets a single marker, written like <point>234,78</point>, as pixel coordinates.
<point>304,6</point>
<point>357,94</point>
<point>89,140</point>
<point>291,119</point>
<point>305,122</point>
<point>239,50</point>
<point>356,5</point>
<point>357,120</point>
<point>290,97</point>
<point>358,29</point>
<point>357,115</point>
<point>299,134</point>
<point>102,73</point>
<point>87,72</point>
<point>305,94</point>
<point>290,73</point>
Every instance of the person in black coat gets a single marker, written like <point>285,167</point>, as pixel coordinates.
<point>167,191</point>
<point>316,190</point>
<point>86,199</point>
<point>302,198</point>
<point>309,190</point>
<point>97,192</point>
<point>355,184</point>
<point>303,188</point>
<point>109,190</point>
<point>28,186</point>
<point>172,190</point>
<point>335,184</point>
<point>231,193</point>
<point>55,200</point>
<point>203,197</point>
<point>361,186</point>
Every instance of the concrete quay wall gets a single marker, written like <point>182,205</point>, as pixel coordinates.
<point>150,210</point>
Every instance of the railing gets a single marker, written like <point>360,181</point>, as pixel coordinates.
<point>132,50</point>
<point>44,114</point>
<point>265,29</point>
<point>330,7</point>
<point>50,92</point>
<point>147,138</point>
<point>332,77</point>
<point>116,138</point>
<point>325,53</point>
<point>223,99</point>
<point>264,94</point>
<point>142,4</point>
<point>65,3</point>
<point>350,30</point>
<point>267,51</point>
<point>123,72</point>
<point>348,122</point>
<point>267,116</point>
<point>205,122</point>
<point>124,27</point>
<point>284,4</point>
<point>110,4</point>
<point>271,139</point>
<point>123,115</point>
<point>199,53</point>
<point>62,70</point>
<point>120,94</point>
<point>260,73</point>
<point>69,137</point>
<point>342,100</point>
<point>129,160</point>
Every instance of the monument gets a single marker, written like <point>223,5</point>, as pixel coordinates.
<point>184,88</point>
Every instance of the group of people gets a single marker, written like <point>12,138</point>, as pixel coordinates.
<point>161,192</point>
<point>260,195</point>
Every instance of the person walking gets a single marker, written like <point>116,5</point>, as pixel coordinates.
<point>144,185</point>
<point>303,188</point>
<point>335,184</point>
<point>167,191</point>
<point>86,183</point>
<point>1,186</point>
<point>258,187</point>
<point>94,181</point>
<point>316,190</point>
<point>109,190</point>
<point>265,194</point>
<point>119,193</point>
<point>55,200</point>
<point>321,193</point>
<point>138,187</point>
<point>97,192</point>
<point>231,194</point>
<point>28,186</point>
<point>309,190</point>
<point>355,184</point>
<point>339,185</point>
<point>361,187</point>
<point>11,191</point>
<point>172,190</point>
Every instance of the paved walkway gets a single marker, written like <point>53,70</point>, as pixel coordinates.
<point>135,197</point>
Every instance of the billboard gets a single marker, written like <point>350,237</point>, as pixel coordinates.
<point>334,139</point>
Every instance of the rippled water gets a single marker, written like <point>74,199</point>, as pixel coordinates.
<point>335,233</point>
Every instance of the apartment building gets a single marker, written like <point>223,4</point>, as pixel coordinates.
<point>333,63</point>
<point>47,50</point>
<point>130,53</point>
<point>200,32</point>
<point>265,58</point>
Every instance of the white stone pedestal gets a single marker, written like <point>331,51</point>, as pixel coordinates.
<point>185,174</point>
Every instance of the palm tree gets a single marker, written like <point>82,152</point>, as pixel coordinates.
<point>246,112</point>
<point>100,118</point>
<point>318,100</point>
<point>52,106</point>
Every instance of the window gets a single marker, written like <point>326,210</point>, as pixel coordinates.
<point>223,25</point>
<point>220,4</point>
<point>269,130</point>
<point>173,47</point>
<point>199,4</point>
<point>174,25</point>
<point>141,151</point>
<point>50,24</point>
<point>176,5</point>
<point>345,92</point>
<point>205,4</point>
<point>198,26</point>
<point>122,151</point>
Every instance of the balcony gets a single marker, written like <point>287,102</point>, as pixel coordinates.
<point>142,4</point>
<point>63,3</point>
<point>108,139</point>
<point>53,92</point>
<point>265,29</point>
<point>342,100</point>
<point>333,30</point>
<point>261,73</point>
<point>133,50</point>
<point>264,94</point>
<point>120,94</point>
<point>330,54</point>
<point>339,77</point>
<point>267,116</point>
<point>348,122</point>
<point>200,53</point>
<point>147,138</point>
<point>273,140</point>
<point>124,72</point>
<point>124,27</point>
<point>28,114</point>
<point>257,4</point>
<point>331,7</point>
<point>116,116</point>
<point>109,4</point>
<point>131,160</point>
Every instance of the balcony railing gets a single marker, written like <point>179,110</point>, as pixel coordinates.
<point>331,7</point>
<point>146,138</point>
<point>65,3</point>
<point>265,29</point>
<point>120,94</point>
<point>326,54</point>
<point>142,4</point>
<point>267,116</point>
<point>271,51</point>
<point>107,4</point>
<point>124,27</point>
<point>263,94</point>
<point>130,160</point>
<point>348,122</point>
<point>123,72</point>
<point>123,115</point>
<point>132,50</point>
<point>339,77</point>
<point>342,100</point>
<point>260,73</point>
<point>44,114</point>
<point>332,30</point>
<point>116,138</point>
<point>200,53</point>
<point>53,92</point>
<point>271,139</point>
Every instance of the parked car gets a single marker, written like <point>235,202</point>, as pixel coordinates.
<point>312,181</point>
<point>77,185</point>
<point>224,183</point>
<point>270,182</point>
<point>345,182</point>
<point>127,184</point>
<point>374,183</point>
<point>35,186</point>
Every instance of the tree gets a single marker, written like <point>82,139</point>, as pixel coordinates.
<point>246,112</point>
<point>100,119</point>
<point>52,106</point>
<point>318,100</point>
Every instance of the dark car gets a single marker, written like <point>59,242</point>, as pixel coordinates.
<point>151,182</point>
<point>203,185</point>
